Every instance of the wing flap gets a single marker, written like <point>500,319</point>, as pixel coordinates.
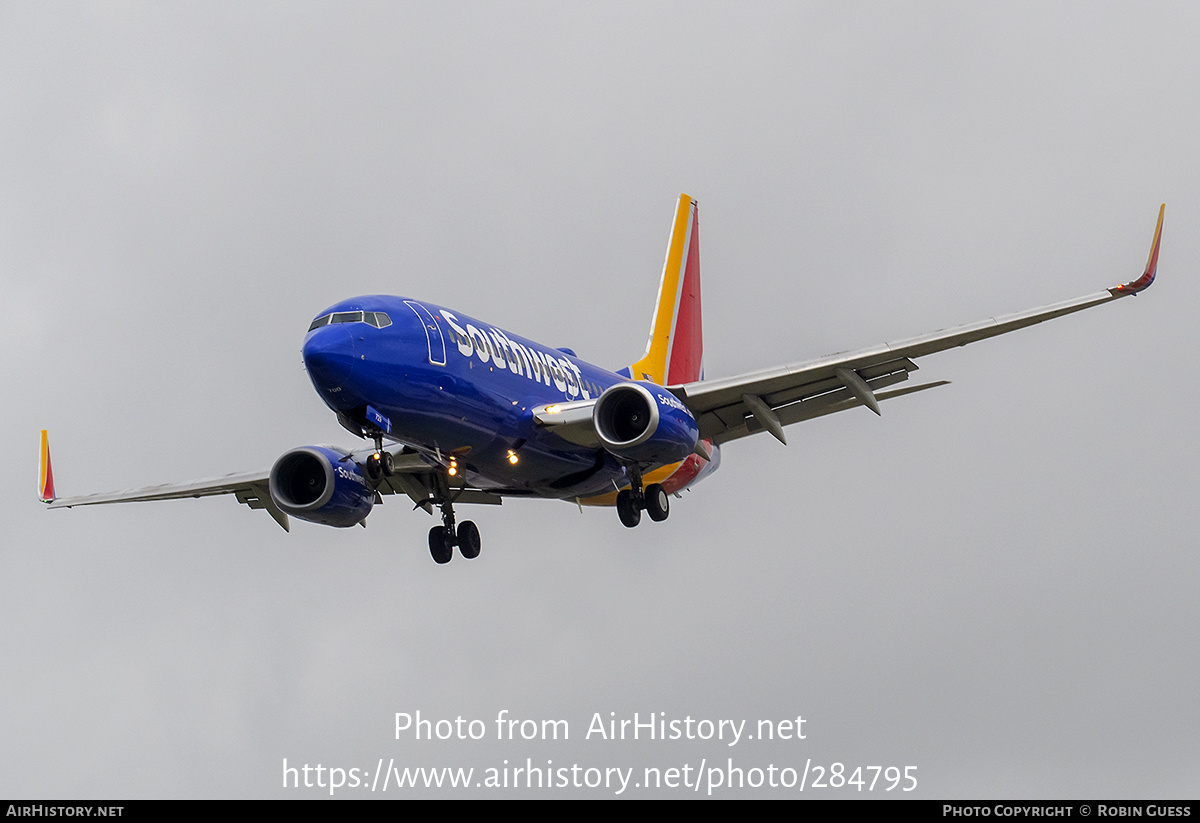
<point>744,421</point>
<point>818,391</point>
<point>818,407</point>
<point>259,497</point>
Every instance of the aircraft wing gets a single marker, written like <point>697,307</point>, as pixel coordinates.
<point>413,476</point>
<point>250,488</point>
<point>734,407</point>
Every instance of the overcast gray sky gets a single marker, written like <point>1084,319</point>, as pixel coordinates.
<point>994,582</point>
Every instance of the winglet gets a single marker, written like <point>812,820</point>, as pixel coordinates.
<point>1147,277</point>
<point>45,472</point>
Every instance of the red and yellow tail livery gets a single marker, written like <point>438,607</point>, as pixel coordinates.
<point>45,472</point>
<point>675,350</point>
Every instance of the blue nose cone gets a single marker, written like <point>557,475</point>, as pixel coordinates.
<point>331,364</point>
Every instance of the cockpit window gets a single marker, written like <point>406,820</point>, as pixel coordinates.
<point>376,318</point>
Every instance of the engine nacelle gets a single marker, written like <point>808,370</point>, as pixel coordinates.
<point>317,484</point>
<point>644,422</point>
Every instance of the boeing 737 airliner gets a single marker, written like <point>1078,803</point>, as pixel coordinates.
<point>460,411</point>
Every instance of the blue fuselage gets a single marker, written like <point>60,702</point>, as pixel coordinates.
<point>449,385</point>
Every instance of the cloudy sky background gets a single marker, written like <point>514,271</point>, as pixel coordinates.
<point>994,582</point>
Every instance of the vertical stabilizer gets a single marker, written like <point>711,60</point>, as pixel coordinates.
<point>675,350</point>
<point>45,473</point>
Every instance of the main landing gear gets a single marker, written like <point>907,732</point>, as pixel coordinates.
<point>443,538</point>
<point>631,502</point>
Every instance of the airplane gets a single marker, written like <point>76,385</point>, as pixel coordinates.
<point>463,412</point>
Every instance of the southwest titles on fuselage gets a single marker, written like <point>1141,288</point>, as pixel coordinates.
<point>494,346</point>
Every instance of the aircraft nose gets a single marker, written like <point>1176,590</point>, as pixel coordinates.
<point>330,361</point>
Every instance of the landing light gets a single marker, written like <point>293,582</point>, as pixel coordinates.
<point>453,467</point>
<point>512,457</point>
<point>553,409</point>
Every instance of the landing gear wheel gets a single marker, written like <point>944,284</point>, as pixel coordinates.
<point>373,468</point>
<point>628,509</point>
<point>658,502</point>
<point>388,464</point>
<point>468,540</point>
<point>440,545</point>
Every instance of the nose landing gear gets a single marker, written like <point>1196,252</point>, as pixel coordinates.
<point>442,539</point>
<point>381,464</point>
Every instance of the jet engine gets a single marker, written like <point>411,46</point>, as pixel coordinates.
<point>644,422</point>
<point>319,484</point>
